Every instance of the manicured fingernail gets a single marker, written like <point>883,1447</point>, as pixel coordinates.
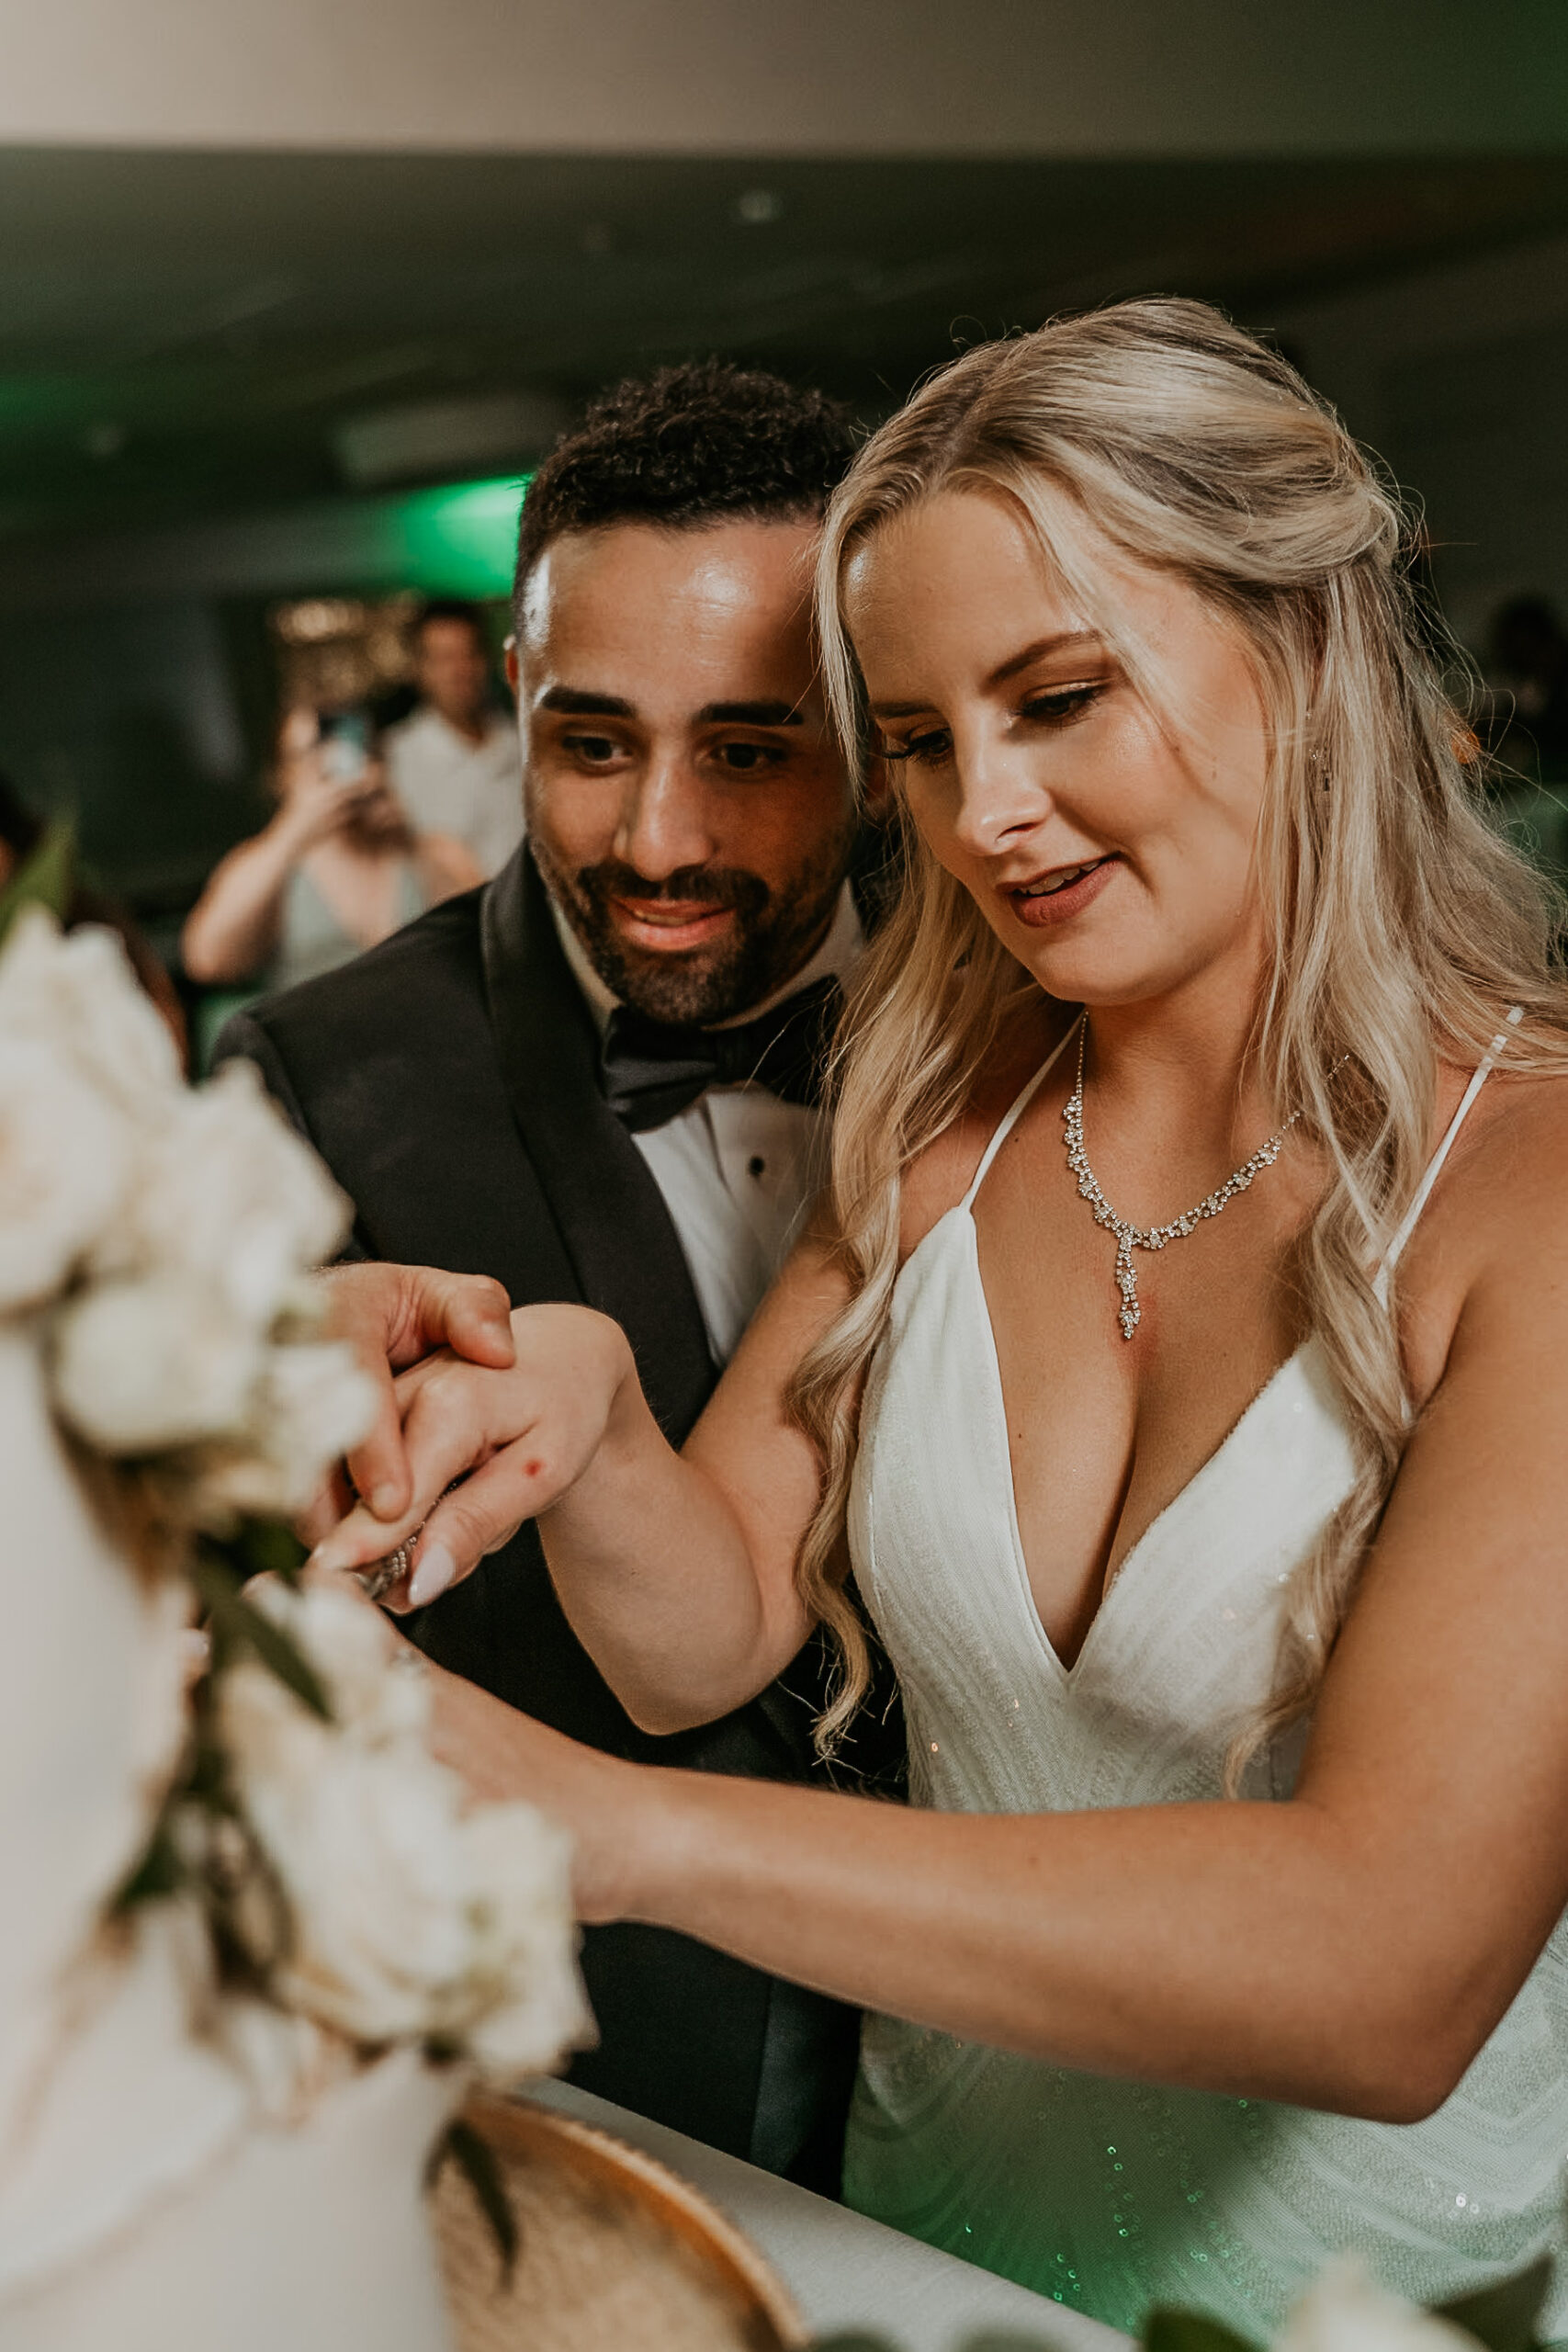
<point>385,1501</point>
<point>432,1572</point>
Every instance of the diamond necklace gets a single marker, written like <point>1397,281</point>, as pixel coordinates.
<point>1149,1237</point>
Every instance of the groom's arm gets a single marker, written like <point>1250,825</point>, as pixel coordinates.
<point>243,1038</point>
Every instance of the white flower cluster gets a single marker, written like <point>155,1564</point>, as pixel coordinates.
<point>410,1916</point>
<point>166,1233</point>
<point>153,1245</point>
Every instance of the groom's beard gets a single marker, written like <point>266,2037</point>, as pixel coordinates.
<point>770,939</point>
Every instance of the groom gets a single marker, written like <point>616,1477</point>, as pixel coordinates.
<point>594,1080</point>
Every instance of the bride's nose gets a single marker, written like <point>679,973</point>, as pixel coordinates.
<point>999,797</point>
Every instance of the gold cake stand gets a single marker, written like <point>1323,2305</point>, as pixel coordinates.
<point>617,2254</point>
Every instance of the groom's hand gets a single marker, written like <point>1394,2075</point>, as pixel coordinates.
<point>487,1448</point>
<point>393,1316</point>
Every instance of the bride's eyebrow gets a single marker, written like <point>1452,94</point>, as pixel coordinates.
<point>1065,641</point>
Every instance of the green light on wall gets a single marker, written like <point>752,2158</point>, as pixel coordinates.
<point>461,540</point>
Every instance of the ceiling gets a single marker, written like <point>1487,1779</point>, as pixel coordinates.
<point>189,334</point>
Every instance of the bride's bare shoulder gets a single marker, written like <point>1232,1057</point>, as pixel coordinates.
<point>1508,1170</point>
<point>940,1176</point>
<point>1493,1233</point>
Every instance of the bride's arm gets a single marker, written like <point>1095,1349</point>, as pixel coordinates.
<point>1350,1949</point>
<point>675,1570</point>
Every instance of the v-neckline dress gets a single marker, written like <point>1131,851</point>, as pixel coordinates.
<point>1108,2195</point>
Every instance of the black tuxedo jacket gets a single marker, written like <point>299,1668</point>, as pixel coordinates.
<point>450,1080</point>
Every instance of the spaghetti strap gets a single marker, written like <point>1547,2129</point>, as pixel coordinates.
<point>1020,1106</point>
<point>1412,1216</point>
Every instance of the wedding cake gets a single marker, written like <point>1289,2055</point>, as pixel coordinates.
<point>256,1943</point>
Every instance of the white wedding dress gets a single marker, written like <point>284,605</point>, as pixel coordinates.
<point>1108,2195</point>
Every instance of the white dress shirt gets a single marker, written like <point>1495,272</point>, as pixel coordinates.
<point>738,1168</point>
<point>449,784</point>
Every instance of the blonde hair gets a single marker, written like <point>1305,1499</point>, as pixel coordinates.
<point>1400,923</point>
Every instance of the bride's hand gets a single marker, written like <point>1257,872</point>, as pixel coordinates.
<point>518,1440</point>
<point>609,1807</point>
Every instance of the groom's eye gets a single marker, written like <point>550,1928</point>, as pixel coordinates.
<point>593,751</point>
<point>746,759</point>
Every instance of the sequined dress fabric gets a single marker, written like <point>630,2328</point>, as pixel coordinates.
<point>1107,2195</point>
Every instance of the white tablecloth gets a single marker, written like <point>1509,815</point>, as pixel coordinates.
<point>844,2271</point>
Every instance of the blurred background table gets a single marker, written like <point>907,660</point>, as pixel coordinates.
<point>844,2270</point>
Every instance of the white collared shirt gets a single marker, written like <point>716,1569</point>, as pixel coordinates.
<point>448,784</point>
<point>737,1168</point>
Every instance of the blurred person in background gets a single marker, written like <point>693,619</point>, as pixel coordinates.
<point>38,867</point>
<point>339,868</point>
<point>455,762</point>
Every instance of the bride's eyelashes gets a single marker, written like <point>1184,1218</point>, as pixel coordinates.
<point>925,748</point>
<point>1056,708</point>
<point>1062,705</point>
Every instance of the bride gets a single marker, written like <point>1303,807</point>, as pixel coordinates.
<point>1179,1367</point>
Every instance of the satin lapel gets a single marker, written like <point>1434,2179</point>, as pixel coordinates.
<point>610,1212</point>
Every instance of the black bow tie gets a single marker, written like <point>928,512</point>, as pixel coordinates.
<point>652,1070</point>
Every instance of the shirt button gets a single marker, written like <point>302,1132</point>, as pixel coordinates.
<point>756,1165</point>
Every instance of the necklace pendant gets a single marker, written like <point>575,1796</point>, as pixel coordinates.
<point>1129,1314</point>
<point>1154,1237</point>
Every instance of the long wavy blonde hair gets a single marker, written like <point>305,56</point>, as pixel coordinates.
<point>1400,923</point>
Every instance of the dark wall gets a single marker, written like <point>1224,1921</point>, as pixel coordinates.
<point>145,724</point>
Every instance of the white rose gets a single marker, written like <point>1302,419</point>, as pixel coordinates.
<point>1344,2309</point>
<point>66,1161</point>
<point>144,1367</point>
<point>411,1917</point>
<point>272,1739</point>
<point>378,1697</point>
<point>309,1404</point>
<point>365,1846</point>
<point>229,1192</point>
<point>77,995</point>
<point>527,2003</point>
<point>358,1822</point>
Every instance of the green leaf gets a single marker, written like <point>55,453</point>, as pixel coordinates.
<point>282,1653</point>
<point>236,1622</point>
<point>46,878</point>
<point>476,2160</point>
<point>159,1872</point>
<point>265,1547</point>
<point>1173,2331</point>
<point>1503,2317</point>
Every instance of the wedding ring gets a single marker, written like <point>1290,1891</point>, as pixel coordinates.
<point>377,1580</point>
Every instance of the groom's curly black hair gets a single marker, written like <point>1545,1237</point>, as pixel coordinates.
<point>686,446</point>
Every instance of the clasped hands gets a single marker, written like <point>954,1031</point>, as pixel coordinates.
<point>484,1418</point>
<point>522,1403</point>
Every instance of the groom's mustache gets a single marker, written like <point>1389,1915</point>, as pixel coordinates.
<point>708,885</point>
